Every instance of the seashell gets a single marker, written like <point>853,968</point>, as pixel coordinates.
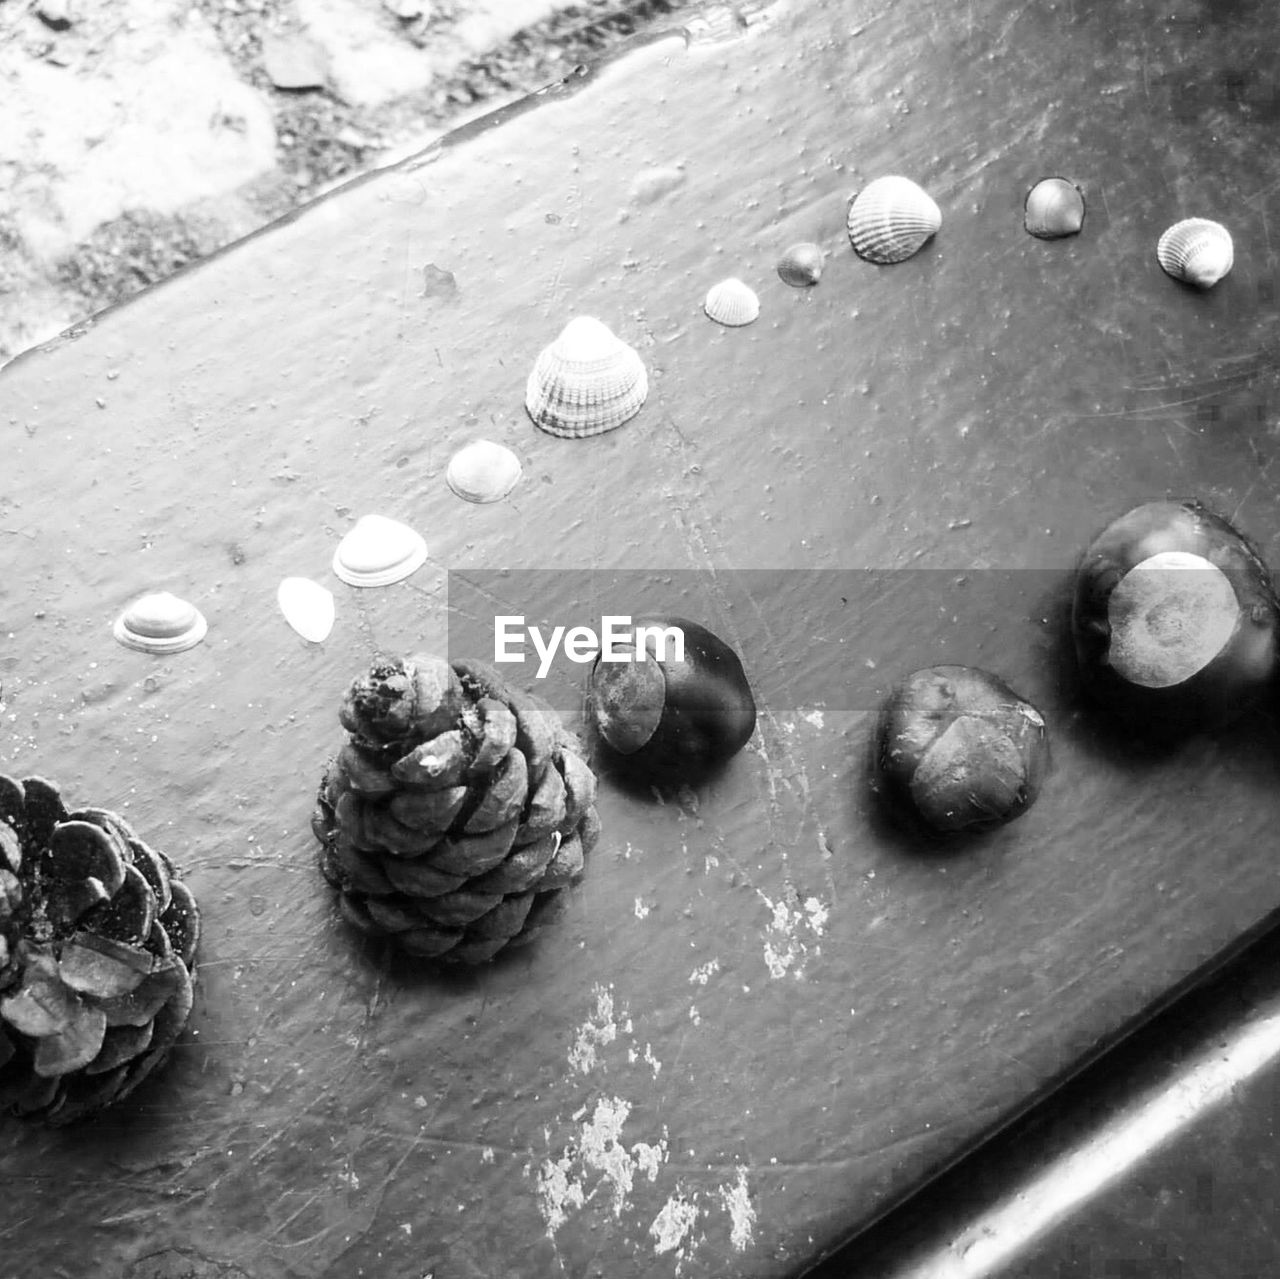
<point>1196,250</point>
<point>378,551</point>
<point>891,218</point>
<point>1054,208</point>
<point>307,607</point>
<point>483,472</point>
<point>160,623</point>
<point>732,303</point>
<point>801,265</point>
<point>586,382</point>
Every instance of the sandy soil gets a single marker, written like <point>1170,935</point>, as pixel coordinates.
<point>140,136</point>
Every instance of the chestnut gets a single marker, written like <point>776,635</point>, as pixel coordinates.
<point>959,750</point>
<point>665,714</point>
<point>1174,618</point>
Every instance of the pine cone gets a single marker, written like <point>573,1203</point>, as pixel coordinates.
<point>97,955</point>
<point>456,809</point>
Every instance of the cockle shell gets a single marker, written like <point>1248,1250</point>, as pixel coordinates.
<point>891,218</point>
<point>378,551</point>
<point>483,471</point>
<point>801,265</point>
<point>732,303</point>
<point>586,382</point>
<point>307,607</point>
<point>1196,250</point>
<point>1054,208</point>
<point>160,623</point>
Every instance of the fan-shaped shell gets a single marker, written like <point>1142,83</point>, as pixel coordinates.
<point>891,218</point>
<point>732,303</point>
<point>160,623</point>
<point>801,265</point>
<point>483,471</point>
<point>1054,208</point>
<point>378,551</point>
<point>307,607</point>
<point>1197,251</point>
<point>586,382</point>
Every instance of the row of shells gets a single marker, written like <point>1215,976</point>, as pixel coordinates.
<point>588,381</point>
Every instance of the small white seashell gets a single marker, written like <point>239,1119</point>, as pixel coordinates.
<point>801,265</point>
<point>586,382</point>
<point>160,623</point>
<point>483,471</point>
<point>891,218</point>
<point>378,551</point>
<point>1196,250</point>
<point>1054,208</point>
<point>307,607</point>
<point>732,303</point>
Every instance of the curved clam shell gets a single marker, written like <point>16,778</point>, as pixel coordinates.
<point>732,303</point>
<point>160,623</point>
<point>307,607</point>
<point>1054,208</point>
<point>891,218</point>
<point>1196,250</point>
<point>483,471</point>
<point>587,382</point>
<point>378,551</point>
<point>801,265</point>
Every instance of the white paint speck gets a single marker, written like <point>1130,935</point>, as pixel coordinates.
<point>814,718</point>
<point>737,1202</point>
<point>641,909</point>
<point>694,1015</point>
<point>486,1155</point>
<point>598,1030</point>
<point>704,972</point>
<point>673,1223</point>
<point>792,934</point>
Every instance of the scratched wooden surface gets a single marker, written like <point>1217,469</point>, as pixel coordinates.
<point>764,1017</point>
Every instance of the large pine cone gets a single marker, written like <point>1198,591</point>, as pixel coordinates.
<point>97,955</point>
<point>455,811</point>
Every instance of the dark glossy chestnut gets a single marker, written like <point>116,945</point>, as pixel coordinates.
<point>663,715</point>
<point>1175,618</point>
<point>958,749</point>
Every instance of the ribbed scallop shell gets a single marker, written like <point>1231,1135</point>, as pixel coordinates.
<point>483,471</point>
<point>732,303</point>
<point>1054,208</point>
<point>891,218</point>
<point>1196,250</point>
<point>586,382</point>
<point>801,265</point>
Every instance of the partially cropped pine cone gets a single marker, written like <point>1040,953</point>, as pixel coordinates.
<point>98,937</point>
<point>456,809</point>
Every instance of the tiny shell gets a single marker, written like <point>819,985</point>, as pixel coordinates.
<point>587,382</point>
<point>160,623</point>
<point>801,265</point>
<point>307,607</point>
<point>483,471</point>
<point>1196,250</point>
<point>732,303</point>
<point>1054,208</point>
<point>891,218</point>
<point>378,551</point>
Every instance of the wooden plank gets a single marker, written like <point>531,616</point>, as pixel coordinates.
<point>764,1018</point>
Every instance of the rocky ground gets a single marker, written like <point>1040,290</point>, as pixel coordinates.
<point>140,135</point>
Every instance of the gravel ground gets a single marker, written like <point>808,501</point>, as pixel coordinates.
<point>140,136</point>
